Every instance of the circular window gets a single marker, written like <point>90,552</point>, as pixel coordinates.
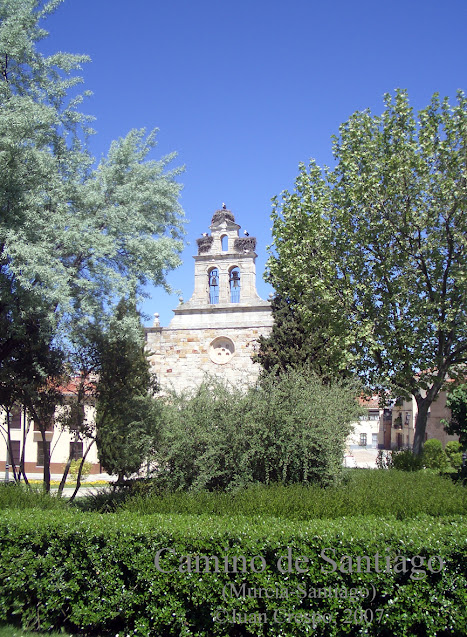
<point>221,350</point>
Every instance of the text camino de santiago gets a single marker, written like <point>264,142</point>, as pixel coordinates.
<point>417,565</point>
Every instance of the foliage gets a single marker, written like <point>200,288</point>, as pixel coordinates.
<point>97,574</point>
<point>434,456</point>
<point>74,468</point>
<point>456,401</point>
<point>292,345</point>
<point>405,460</point>
<point>371,254</point>
<point>19,496</point>
<point>72,236</point>
<point>12,631</point>
<point>453,451</point>
<point>288,429</point>
<point>385,494</point>
<point>127,415</point>
<point>384,459</point>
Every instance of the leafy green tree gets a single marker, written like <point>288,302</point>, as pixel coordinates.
<point>456,401</point>
<point>373,251</point>
<point>127,414</point>
<point>73,236</point>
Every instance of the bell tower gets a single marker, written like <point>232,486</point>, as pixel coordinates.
<point>216,332</point>
<point>225,280</point>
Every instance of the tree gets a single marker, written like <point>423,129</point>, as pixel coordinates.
<point>30,376</point>
<point>73,237</point>
<point>289,428</point>
<point>456,401</point>
<point>373,250</point>
<point>127,417</point>
<point>292,345</point>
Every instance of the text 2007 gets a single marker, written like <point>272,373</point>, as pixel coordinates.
<point>361,616</point>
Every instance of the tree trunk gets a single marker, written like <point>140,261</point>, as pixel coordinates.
<point>46,460</point>
<point>423,405</point>
<point>64,476</point>
<point>80,470</point>
<point>9,455</point>
<point>21,462</point>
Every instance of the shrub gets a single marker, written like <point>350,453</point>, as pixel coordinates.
<point>74,469</point>
<point>97,575</point>
<point>287,429</point>
<point>405,460</point>
<point>384,460</point>
<point>453,451</point>
<point>433,455</point>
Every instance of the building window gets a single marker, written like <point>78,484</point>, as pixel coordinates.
<point>234,280</point>
<point>225,243</point>
<point>15,417</point>
<point>373,414</point>
<point>362,440</point>
<point>48,427</point>
<point>76,450</point>
<point>40,452</point>
<point>374,440</point>
<point>214,286</point>
<point>15,452</point>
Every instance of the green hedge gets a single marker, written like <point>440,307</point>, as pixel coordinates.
<point>85,572</point>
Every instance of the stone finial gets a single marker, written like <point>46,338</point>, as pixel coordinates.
<point>156,320</point>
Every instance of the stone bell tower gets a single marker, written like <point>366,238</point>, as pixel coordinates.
<point>216,331</point>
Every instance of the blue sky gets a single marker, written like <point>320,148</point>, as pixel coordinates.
<point>246,90</point>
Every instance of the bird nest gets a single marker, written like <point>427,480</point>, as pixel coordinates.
<point>204,244</point>
<point>245,244</point>
<point>220,215</point>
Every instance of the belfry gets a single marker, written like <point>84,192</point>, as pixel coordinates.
<point>216,331</point>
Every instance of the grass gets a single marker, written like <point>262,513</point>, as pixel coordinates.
<point>18,496</point>
<point>364,492</point>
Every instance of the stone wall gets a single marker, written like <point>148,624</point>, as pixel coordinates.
<point>181,358</point>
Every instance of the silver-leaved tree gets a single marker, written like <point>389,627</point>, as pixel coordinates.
<point>371,254</point>
<point>75,237</point>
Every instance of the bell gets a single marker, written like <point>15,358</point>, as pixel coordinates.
<point>214,281</point>
<point>236,279</point>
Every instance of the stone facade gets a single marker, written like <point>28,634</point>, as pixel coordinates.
<point>215,333</point>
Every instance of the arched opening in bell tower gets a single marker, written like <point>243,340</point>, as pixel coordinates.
<point>225,243</point>
<point>213,279</point>
<point>234,280</point>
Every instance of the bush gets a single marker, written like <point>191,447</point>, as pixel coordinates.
<point>384,460</point>
<point>97,574</point>
<point>433,455</point>
<point>453,451</point>
<point>287,429</point>
<point>74,469</point>
<point>405,460</point>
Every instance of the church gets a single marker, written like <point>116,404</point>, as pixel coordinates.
<point>216,332</point>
